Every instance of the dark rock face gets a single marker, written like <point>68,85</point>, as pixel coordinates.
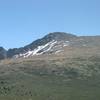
<point>51,36</point>
<point>3,54</point>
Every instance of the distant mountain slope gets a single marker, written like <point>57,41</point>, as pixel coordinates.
<point>53,43</point>
<point>42,45</point>
<point>2,53</point>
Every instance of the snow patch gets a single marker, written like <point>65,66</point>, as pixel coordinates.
<point>58,51</point>
<point>43,48</point>
<point>66,43</point>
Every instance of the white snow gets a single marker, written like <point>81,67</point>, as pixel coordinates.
<point>58,51</point>
<point>66,43</point>
<point>49,46</point>
<point>56,46</point>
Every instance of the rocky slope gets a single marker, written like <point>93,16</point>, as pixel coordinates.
<point>2,53</point>
<point>48,44</point>
<point>53,43</point>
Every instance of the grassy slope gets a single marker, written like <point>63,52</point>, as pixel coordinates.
<point>51,78</point>
<point>50,88</point>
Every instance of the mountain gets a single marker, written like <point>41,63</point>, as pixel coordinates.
<point>2,53</point>
<point>43,45</point>
<point>59,66</point>
<point>52,43</point>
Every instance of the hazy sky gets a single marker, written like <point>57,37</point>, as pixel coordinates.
<point>22,21</point>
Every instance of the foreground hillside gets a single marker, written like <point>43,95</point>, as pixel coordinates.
<point>71,75</point>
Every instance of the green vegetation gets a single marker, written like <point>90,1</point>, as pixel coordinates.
<point>51,79</point>
<point>49,88</point>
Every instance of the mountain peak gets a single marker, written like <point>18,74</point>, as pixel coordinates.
<point>59,36</point>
